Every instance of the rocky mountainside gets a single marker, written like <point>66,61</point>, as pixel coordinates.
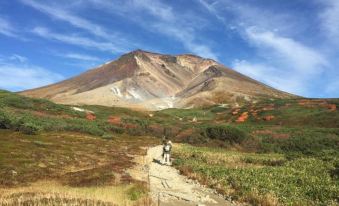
<point>154,81</point>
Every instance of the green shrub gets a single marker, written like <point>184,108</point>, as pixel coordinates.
<point>25,123</point>
<point>30,128</point>
<point>217,109</point>
<point>17,101</point>
<point>143,123</point>
<point>107,136</point>
<point>136,192</point>
<point>136,131</point>
<point>224,133</point>
<point>5,120</point>
<point>114,129</point>
<point>335,172</point>
<point>302,145</point>
<point>301,181</point>
<point>41,143</point>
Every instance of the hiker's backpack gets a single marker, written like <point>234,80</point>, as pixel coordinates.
<point>167,148</point>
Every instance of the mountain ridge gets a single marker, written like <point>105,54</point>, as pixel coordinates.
<point>153,81</point>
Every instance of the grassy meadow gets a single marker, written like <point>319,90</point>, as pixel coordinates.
<point>273,152</point>
<point>51,154</point>
<point>261,178</point>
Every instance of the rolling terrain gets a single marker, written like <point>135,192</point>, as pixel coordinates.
<point>152,81</point>
<point>85,153</point>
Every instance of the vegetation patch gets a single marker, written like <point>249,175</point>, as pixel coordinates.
<point>225,133</point>
<point>268,179</point>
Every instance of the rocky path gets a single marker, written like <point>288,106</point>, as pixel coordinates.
<point>169,188</point>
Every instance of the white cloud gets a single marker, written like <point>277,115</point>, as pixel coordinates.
<point>176,25</point>
<point>6,28</point>
<point>287,64</point>
<point>83,57</point>
<point>332,87</point>
<point>280,61</point>
<point>164,20</point>
<point>17,77</point>
<point>245,15</point>
<point>302,58</point>
<point>54,10</point>
<point>77,40</point>
<point>270,75</point>
<point>187,40</point>
<point>17,57</point>
<point>330,19</point>
<point>156,8</point>
<point>62,14</point>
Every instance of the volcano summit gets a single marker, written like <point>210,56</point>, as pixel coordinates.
<point>146,80</point>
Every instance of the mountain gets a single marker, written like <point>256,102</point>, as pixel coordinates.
<point>147,80</point>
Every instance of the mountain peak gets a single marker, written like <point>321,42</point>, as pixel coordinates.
<point>140,51</point>
<point>145,79</point>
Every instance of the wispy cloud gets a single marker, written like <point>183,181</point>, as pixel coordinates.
<point>77,40</point>
<point>269,75</point>
<point>19,58</point>
<point>54,11</point>
<point>156,8</point>
<point>159,17</point>
<point>332,87</point>
<point>187,39</point>
<point>280,61</point>
<point>82,57</point>
<point>6,28</point>
<point>181,27</point>
<point>286,50</point>
<point>330,19</point>
<point>17,75</point>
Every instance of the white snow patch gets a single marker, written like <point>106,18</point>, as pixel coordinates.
<point>134,94</point>
<point>82,110</point>
<point>78,109</point>
<point>223,105</point>
<point>169,101</point>
<point>104,64</point>
<point>108,62</point>
<point>116,91</point>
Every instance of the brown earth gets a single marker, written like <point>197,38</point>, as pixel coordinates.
<point>146,80</point>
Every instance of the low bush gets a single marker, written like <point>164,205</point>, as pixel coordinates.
<point>224,133</point>
<point>114,129</point>
<point>305,145</point>
<point>335,171</point>
<point>301,181</point>
<point>17,101</point>
<point>143,123</point>
<point>81,125</point>
<point>136,192</point>
<point>107,136</point>
<point>30,128</point>
<point>5,120</point>
<point>217,109</point>
<point>23,123</point>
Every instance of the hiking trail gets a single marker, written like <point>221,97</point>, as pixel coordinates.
<point>169,188</point>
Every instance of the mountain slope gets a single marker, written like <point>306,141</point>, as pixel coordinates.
<point>153,81</point>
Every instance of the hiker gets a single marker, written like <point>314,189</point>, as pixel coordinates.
<point>167,152</point>
<point>164,141</point>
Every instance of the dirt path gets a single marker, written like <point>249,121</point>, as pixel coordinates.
<point>170,188</point>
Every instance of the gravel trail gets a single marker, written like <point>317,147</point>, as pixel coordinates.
<point>169,188</point>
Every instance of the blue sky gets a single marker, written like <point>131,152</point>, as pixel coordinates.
<point>290,45</point>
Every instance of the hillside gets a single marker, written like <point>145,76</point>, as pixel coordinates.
<point>84,153</point>
<point>154,81</point>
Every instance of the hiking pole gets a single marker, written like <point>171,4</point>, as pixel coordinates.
<point>158,198</point>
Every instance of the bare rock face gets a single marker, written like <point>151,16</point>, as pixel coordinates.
<point>153,81</point>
